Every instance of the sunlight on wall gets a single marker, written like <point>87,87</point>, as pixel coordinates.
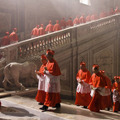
<point>86,2</point>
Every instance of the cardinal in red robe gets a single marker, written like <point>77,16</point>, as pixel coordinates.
<point>40,97</point>
<point>82,19</point>
<point>116,94</point>
<point>69,23</point>
<point>5,40</point>
<point>107,99</point>
<point>98,83</point>
<point>83,97</point>
<point>49,27</point>
<point>57,26</point>
<point>35,32</point>
<point>13,36</point>
<point>41,30</point>
<point>63,23</point>
<point>52,87</point>
<point>76,21</point>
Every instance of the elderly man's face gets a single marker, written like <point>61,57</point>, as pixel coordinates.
<point>95,70</point>
<point>44,61</point>
<point>49,56</point>
<point>82,67</point>
<point>117,80</point>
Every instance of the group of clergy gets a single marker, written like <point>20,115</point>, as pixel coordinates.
<point>9,38</point>
<point>40,30</point>
<point>94,91</point>
<point>48,75</point>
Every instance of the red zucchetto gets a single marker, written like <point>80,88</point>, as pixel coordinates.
<point>43,56</point>
<point>102,71</point>
<point>82,63</point>
<point>50,52</point>
<point>116,77</point>
<point>95,66</point>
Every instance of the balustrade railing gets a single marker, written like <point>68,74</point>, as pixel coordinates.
<point>26,49</point>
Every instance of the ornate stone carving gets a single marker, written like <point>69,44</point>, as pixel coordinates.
<point>83,57</point>
<point>63,75</point>
<point>104,58</point>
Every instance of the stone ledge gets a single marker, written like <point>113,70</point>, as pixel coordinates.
<point>29,92</point>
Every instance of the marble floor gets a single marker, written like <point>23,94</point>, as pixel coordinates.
<point>23,108</point>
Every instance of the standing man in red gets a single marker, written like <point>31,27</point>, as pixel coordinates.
<point>69,23</point>
<point>35,32</point>
<point>111,12</point>
<point>52,86</point>
<point>83,97</point>
<point>5,40</point>
<point>117,10</point>
<point>57,26</point>
<point>13,36</point>
<point>107,99</point>
<point>41,30</point>
<point>40,97</point>
<point>98,83</point>
<point>102,14</point>
<point>82,19</point>
<point>93,17</point>
<point>49,27</point>
<point>116,94</point>
<point>63,23</point>
<point>76,20</point>
<point>88,18</point>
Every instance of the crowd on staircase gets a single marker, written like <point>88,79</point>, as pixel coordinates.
<point>95,92</point>
<point>60,24</point>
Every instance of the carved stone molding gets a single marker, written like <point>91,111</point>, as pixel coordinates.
<point>105,59</point>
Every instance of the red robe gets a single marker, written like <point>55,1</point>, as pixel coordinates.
<point>49,28</point>
<point>82,20</point>
<point>5,41</point>
<point>102,15</point>
<point>13,37</point>
<point>116,105</point>
<point>93,17</point>
<point>52,98</point>
<point>63,24</point>
<point>41,31</point>
<point>40,97</point>
<point>69,23</point>
<point>76,21</point>
<point>88,18</point>
<point>97,80</point>
<point>117,10</point>
<point>107,99</point>
<point>83,99</point>
<point>56,27</point>
<point>35,32</point>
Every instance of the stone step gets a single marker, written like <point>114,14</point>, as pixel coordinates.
<point>3,94</point>
<point>29,92</point>
<point>2,90</point>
